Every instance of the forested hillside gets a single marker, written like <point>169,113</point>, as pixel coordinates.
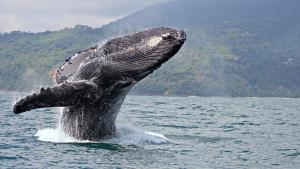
<point>234,48</point>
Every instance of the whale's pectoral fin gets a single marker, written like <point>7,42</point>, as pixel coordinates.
<point>120,85</point>
<point>123,83</point>
<point>65,94</point>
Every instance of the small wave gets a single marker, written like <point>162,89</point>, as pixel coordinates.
<point>125,135</point>
<point>193,96</point>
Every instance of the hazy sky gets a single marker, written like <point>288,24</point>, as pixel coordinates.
<point>42,15</point>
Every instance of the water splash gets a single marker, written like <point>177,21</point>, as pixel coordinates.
<point>55,135</point>
<point>126,135</point>
<point>129,135</point>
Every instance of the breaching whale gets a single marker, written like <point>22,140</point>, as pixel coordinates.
<point>92,85</point>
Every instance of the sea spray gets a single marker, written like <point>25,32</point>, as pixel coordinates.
<point>126,135</point>
<point>129,135</point>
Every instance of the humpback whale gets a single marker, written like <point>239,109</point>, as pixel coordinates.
<point>92,85</point>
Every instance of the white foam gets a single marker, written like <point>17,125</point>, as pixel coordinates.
<point>126,135</point>
<point>55,135</point>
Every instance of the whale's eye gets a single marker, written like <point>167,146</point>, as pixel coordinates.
<point>167,36</point>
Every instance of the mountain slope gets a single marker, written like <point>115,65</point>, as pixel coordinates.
<point>197,13</point>
<point>234,48</point>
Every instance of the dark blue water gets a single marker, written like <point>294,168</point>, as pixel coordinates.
<point>161,132</point>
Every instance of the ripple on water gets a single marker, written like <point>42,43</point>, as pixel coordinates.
<point>293,154</point>
<point>177,126</point>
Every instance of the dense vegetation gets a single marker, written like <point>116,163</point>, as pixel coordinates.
<point>28,59</point>
<point>230,52</point>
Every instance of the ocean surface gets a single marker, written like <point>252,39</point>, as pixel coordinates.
<point>161,132</point>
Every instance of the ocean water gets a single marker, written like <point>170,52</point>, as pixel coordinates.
<point>161,132</point>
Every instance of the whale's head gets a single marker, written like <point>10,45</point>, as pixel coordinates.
<point>159,45</point>
<point>139,54</point>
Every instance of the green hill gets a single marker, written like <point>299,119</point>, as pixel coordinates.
<point>234,48</point>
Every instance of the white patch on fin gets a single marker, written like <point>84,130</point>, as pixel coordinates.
<point>71,65</point>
